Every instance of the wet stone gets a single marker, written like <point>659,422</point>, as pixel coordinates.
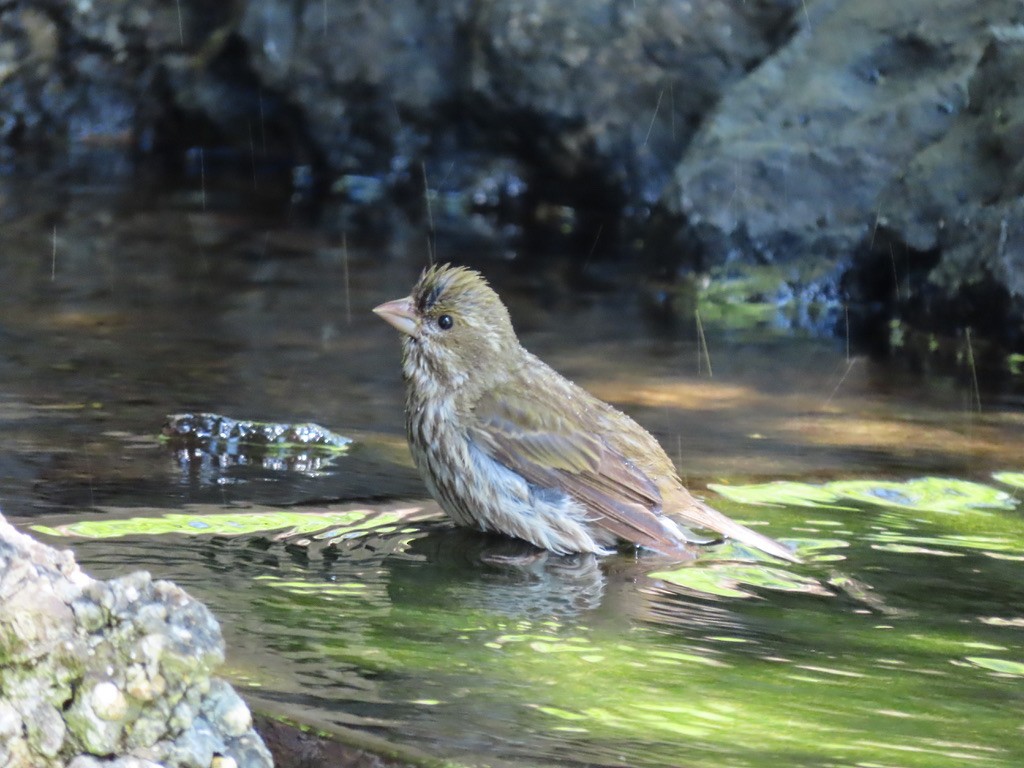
<point>111,674</point>
<point>229,713</point>
<point>45,729</point>
<point>108,702</point>
<point>210,440</point>
<point>223,433</point>
<point>88,614</point>
<point>84,761</point>
<point>197,745</point>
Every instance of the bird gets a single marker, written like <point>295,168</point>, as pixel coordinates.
<point>506,444</point>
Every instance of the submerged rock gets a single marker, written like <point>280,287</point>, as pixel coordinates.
<point>222,434</point>
<point>304,448</point>
<point>113,673</point>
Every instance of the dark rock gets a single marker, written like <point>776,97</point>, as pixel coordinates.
<point>607,96</point>
<point>609,93</point>
<point>961,200</point>
<point>879,139</point>
<point>795,157</point>
<point>294,747</point>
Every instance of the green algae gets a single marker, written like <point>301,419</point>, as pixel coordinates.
<point>1016,479</point>
<point>933,494</point>
<point>738,579</point>
<point>762,297</point>
<point>1002,666</point>
<point>936,494</point>
<point>779,493</point>
<point>325,525</point>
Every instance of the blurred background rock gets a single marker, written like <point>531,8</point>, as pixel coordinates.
<point>872,152</point>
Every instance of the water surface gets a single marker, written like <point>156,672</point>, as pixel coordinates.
<point>898,643</point>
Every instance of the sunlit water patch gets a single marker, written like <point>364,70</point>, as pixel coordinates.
<point>388,621</point>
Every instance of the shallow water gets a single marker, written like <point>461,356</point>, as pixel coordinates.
<point>899,643</point>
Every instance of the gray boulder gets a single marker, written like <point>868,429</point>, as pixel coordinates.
<point>960,206</point>
<point>883,140</point>
<point>795,159</point>
<point>605,96</point>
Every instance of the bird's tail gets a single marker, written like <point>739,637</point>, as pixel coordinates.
<point>701,515</point>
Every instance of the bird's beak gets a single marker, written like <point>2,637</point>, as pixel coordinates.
<point>401,314</point>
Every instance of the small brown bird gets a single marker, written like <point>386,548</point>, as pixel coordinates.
<point>507,444</point>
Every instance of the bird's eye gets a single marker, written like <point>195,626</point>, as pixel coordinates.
<point>444,322</point>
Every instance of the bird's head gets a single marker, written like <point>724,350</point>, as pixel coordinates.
<point>455,327</point>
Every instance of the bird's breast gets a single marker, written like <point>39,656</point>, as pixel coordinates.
<point>441,452</point>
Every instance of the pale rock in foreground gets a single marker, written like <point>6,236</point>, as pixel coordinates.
<point>110,674</point>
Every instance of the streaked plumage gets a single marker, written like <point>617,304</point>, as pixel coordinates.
<point>507,444</point>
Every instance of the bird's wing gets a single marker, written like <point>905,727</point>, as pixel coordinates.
<point>530,436</point>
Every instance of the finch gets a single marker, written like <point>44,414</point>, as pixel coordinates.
<point>507,444</point>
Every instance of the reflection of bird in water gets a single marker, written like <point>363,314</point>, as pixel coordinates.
<point>652,602</point>
<point>495,574</point>
<point>461,569</point>
<point>460,579</point>
<point>463,573</point>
